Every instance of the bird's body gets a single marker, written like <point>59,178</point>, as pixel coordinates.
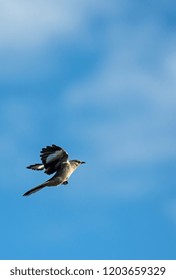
<point>54,160</point>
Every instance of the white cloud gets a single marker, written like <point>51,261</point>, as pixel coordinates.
<point>28,24</point>
<point>32,22</point>
<point>138,101</point>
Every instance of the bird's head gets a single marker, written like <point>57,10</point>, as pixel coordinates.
<point>76,162</point>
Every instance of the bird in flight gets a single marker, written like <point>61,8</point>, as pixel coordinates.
<point>54,160</point>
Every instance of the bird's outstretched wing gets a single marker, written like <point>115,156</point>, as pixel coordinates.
<point>52,157</point>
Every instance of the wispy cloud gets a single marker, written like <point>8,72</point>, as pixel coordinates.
<point>135,98</point>
<point>32,23</point>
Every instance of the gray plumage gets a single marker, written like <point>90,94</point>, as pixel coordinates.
<point>54,160</point>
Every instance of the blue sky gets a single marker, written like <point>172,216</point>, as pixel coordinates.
<point>97,78</point>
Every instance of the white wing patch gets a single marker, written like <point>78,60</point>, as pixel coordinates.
<point>54,156</point>
<point>40,167</point>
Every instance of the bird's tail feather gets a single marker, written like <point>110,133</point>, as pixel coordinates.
<point>36,189</point>
<point>36,166</point>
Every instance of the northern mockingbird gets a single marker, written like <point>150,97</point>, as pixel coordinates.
<point>54,160</point>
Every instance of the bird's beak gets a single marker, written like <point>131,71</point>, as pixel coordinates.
<point>82,162</point>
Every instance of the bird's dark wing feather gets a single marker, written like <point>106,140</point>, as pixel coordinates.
<point>52,157</point>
